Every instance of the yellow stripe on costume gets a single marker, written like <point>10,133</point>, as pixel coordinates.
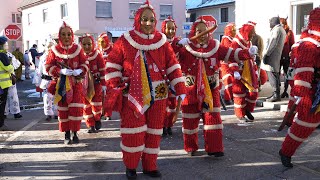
<point>145,83</point>
<point>207,91</point>
<point>57,96</point>
<point>246,76</point>
<point>317,110</point>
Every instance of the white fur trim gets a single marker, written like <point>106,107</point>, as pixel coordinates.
<point>87,106</point>
<point>85,66</point>
<point>250,101</point>
<point>214,110</point>
<point>51,69</point>
<point>212,127</point>
<point>226,76</point>
<point>155,131</point>
<point>317,33</point>
<point>233,64</point>
<point>145,6</point>
<point>101,69</point>
<point>304,69</point>
<point>305,124</point>
<point>239,95</point>
<point>151,150</point>
<point>63,108</point>
<point>229,38</point>
<point>113,75</point>
<point>309,39</point>
<point>114,65</point>
<point>66,56</point>
<point>239,43</point>
<point>302,83</point>
<point>80,105</point>
<point>134,130</point>
<point>226,58</point>
<point>97,112</point>
<point>239,105</point>
<point>96,103</point>
<point>94,56</point>
<point>228,85</point>
<point>236,55</point>
<point>190,115</point>
<point>190,131</point>
<point>172,68</point>
<point>138,46</point>
<point>171,110</point>
<point>63,120</point>
<point>131,149</point>
<point>75,118</point>
<point>87,116</point>
<point>203,55</point>
<point>294,137</point>
<point>144,36</point>
<point>241,37</point>
<point>177,80</point>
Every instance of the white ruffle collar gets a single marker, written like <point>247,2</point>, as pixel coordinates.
<point>93,56</point>
<point>66,56</point>
<point>138,46</point>
<point>202,54</point>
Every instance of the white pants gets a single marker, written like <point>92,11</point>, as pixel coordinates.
<point>50,109</point>
<point>12,105</point>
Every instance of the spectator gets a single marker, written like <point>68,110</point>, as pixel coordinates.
<point>272,57</point>
<point>27,64</point>
<point>34,53</point>
<point>19,56</point>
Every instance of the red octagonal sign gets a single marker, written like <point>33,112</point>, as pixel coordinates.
<point>12,32</point>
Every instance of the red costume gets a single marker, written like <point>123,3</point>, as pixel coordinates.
<point>97,67</point>
<point>143,61</point>
<point>70,107</point>
<point>226,74</point>
<point>200,65</point>
<point>306,87</point>
<point>244,98</point>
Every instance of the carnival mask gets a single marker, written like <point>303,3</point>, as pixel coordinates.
<point>203,39</point>
<point>233,31</point>
<point>102,43</point>
<point>148,22</point>
<point>66,36</point>
<point>87,45</point>
<point>170,29</point>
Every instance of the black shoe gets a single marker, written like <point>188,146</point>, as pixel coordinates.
<point>55,117</point>
<point>92,129</point>
<point>274,98</point>
<point>98,125</point>
<point>286,161</point>
<point>48,118</point>
<point>75,138</point>
<point>192,153</point>
<point>216,154</point>
<point>154,173</point>
<point>131,173</point>
<point>17,116</point>
<point>67,139</point>
<point>169,131</point>
<point>284,95</point>
<point>164,132</point>
<point>249,115</point>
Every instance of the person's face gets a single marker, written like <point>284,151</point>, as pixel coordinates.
<point>87,45</point>
<point>170,30</point>
<point>251,34</point>
<point>233,31</point>
<point>102,43</point>
<point>147,21</point>
<point>199,29</point>
<point>66,36</point>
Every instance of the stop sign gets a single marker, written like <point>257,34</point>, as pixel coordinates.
<point>210,20</point>
<point>12,32</point>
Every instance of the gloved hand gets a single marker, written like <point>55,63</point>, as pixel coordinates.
<point>67,72</point>
<point>298,99</point>
<point>184,41</point>
<point>77,72</point>
<point>104,89</point>
<point>253,50</point>
<point>237,75</point>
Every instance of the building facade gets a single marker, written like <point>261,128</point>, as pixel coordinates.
<point>42,18</point>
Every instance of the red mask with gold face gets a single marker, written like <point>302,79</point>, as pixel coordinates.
<point>170,30</point>
<point>147,21</point>
<point>66,36</point>
<point>87,44</point>
<point>199,29</point>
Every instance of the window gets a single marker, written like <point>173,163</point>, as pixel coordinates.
<point>193,17</point>
<point>45,15</point>
<point>103,9</point>
<point>133,7</point>
<point>165,11</point>
<point>224,15</point>
<point>29,19</point>
<point>64,10</point>
<point>301,16</point>
<point>16,18</point>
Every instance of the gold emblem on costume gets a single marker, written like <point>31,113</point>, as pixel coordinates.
<point>190,80</point>
<point>161,91</point>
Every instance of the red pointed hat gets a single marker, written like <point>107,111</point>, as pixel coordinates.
<point>314,19</point>
<point>105,37</point>
<point>137,18</point>
<point>246,29</point>
<point>228,29</point>
<point>195,24</point>
<point>164,23</point>
<point>65,25</point>
<point>92,40</point>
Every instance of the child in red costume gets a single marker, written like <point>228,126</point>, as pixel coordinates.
<point>68,93</point>
<point>97,67</point>
<point>169,28</point>
<point>143,64</point>
<point>200,63</point>
<point>306,90</point>
<point>227,76</point>
<point>245,93</point>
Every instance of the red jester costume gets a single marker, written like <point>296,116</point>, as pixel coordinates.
<point>169,29</point>
<point>229,33</point>
<point>200,63</point>
<point>306,90</point>
<point>66,63</point>
<point>143,61</point>
<point>245,86</point>
<point>97,67</point>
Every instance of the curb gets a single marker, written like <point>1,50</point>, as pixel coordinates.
<point>30,106</point>
<point>280,107</point>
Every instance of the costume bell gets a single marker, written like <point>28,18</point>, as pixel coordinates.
<point>67,64</point>
<point>97,67</point>
<point>306,90</point>
<point>143,64</point>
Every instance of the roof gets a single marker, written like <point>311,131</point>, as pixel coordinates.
<point>196,4</point>
<point>28,3</point>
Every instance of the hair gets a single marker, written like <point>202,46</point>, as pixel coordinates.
<point>137,18</point>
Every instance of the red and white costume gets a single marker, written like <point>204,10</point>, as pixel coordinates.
<point>195,60</point>
<point>97,66</point>
<point>306,78</point>
<point>244,99</point>
<point>141,126</point>
<point>226,74</point>
<point>70,110</point>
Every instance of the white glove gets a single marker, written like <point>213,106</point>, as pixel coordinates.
<point>298,99</point>
<point>67,72</point>
<point>77,72</point>
<point>104,89</point>
<point>253,50</point>
<point>237,75</point>
<point>184,41</point>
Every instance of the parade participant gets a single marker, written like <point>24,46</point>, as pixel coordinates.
<point>143,61</point>
<point>245,83</point>
<point>169,28</point>
<point>105,47</point>
<point>66,63</point>
<point>19,57</point>
<point>97,67</point>
<point>229,33</point>
<point>306,90</point>
<point>263,77</point>
<point>285,58</point>
<point>6,69</point>
<point>200,65</point>
<point>27,64</point>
